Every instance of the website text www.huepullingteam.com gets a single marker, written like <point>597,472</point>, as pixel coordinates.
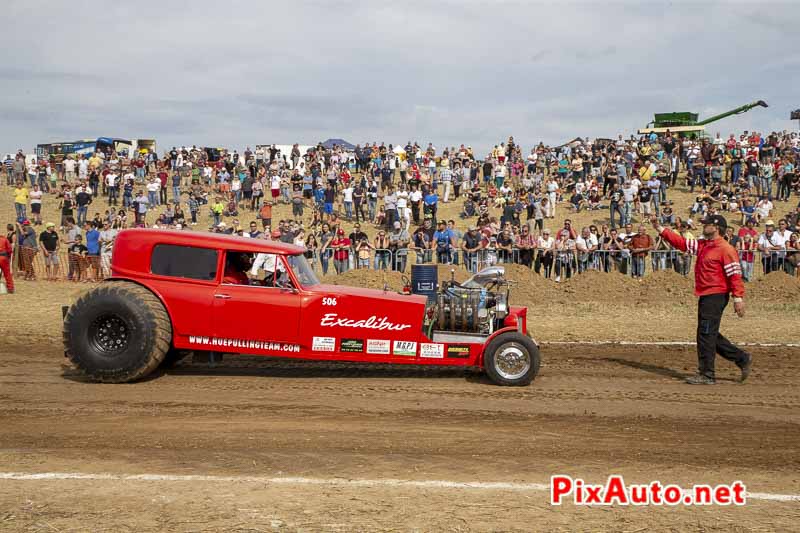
<point>616,492</point>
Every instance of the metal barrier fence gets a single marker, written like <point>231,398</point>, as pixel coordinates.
<point>34,264</point>
<point>554,264</point>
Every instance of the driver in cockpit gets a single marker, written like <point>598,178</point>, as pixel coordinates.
<point>236,267</point>
<point>269,262</point>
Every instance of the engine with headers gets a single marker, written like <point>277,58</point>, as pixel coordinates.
<point>478,305</point>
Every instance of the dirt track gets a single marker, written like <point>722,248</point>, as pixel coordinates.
<point>590,413</point>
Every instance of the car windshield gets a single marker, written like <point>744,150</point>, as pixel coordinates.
<point>302,270</point>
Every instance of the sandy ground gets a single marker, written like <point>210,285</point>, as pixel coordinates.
<point>591,412</point>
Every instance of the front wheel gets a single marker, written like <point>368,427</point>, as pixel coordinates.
<point>511,359</point>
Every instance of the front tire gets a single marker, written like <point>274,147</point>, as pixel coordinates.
<point>511,359</point>
<point>116,333</point>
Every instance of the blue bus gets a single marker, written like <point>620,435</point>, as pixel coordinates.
<point>56,152</point>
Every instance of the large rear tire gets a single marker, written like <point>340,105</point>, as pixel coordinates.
<point>511,359</point>
<point>117,332</point>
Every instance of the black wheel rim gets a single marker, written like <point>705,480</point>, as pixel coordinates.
<point>109,335</point>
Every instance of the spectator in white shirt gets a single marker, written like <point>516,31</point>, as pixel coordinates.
<point>586,244</point>
<point>764,207</point>
<point>545,246</point>
<point>153,187</point>
<point>772,248</point>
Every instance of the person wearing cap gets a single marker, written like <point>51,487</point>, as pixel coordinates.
<point>77,259</point>
<point>50,242</point>
<point>443,241</point>
<point>718,275</point>
<point>29,247</point>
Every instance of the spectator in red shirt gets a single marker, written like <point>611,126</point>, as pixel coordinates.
<point>162,177</point>
<point>748,229</point>
<point>341,252</point>
<point>640,245</point>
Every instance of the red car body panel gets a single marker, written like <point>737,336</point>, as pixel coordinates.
<point>322,322</point>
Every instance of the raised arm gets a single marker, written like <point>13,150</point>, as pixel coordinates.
<point>676,240</point>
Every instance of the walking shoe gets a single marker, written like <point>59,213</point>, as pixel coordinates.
<point>746,367</point>
<point>700,379</point>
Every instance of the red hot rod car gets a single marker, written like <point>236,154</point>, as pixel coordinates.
<point>172,293</point>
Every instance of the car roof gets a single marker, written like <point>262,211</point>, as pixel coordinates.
<point>207,240</point>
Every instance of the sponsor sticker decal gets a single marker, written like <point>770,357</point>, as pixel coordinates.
<point>407,348</point>
<point>458,351</point>
<point>351,345</point>
<point>245,344</point>
<point>323,344</point>
<point>378,346</point>
<point>431,350</point>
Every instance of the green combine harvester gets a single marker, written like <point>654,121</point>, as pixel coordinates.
<point>685,124</point>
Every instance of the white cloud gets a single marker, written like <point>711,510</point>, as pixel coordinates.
<point>449,72</point>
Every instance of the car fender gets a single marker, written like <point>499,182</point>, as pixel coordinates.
<point>491,337</point>
<point>150,288</point>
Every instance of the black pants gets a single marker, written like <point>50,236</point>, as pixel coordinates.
<point>709,340</point>
<point>526,257</point>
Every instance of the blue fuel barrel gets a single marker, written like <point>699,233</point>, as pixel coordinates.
<point>424,279</point>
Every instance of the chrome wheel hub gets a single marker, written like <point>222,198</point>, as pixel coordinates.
<point>512,361</point>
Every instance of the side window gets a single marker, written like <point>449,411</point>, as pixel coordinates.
<point>184,262</point>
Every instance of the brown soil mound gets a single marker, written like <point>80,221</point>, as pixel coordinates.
<point>657,287</point>
<point>531,289</point>
<point>370,279</point>
<point>777,287</point>
<point>375,279</point>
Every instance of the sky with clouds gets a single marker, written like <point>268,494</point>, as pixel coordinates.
<point>244,73</point>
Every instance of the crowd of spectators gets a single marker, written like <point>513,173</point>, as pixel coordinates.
<point>389,197</point>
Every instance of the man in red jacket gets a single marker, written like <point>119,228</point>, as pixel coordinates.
<point>5,263</point>
<point>718,275</point>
